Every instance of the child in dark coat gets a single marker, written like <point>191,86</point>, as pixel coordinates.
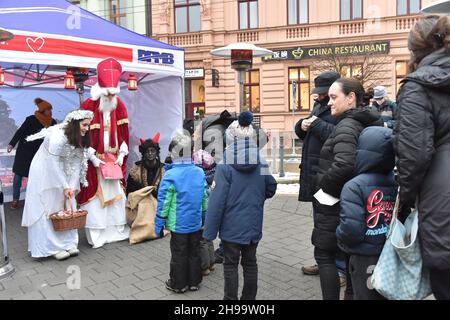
<point>205,161</point>
<point>367,203</point>
<point>235,211</point>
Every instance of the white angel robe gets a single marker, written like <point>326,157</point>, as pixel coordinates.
<point>55,167</point>
<point>106,220</point>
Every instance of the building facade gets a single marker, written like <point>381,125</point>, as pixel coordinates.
<point>134,15</point>
<point>363,38</point>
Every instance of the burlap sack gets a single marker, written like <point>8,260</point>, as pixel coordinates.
<point>141,211</point>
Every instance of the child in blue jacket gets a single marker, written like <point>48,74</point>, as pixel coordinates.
<point>182,203</point>
<point>235,211</point>
<point>367,203</point>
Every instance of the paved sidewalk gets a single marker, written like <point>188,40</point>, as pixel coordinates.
<point>121,271</point>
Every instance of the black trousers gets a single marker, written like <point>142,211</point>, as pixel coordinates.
<point>185,267</point>
<point>440,283</point>
<point>328,272</point>
<point>232,253</point>
<point>361,269</point>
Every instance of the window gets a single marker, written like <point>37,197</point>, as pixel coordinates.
<point>251,91</point>
<point>195,97</point>
<point>302,94</point>
<point>187,15</point>
<point>405,7</point>
<point>117,12</point>
<point>401,70</point>
<point>352,71</point>
<point>248,14</point>
<point>297,11</point>
<point>351,9</point>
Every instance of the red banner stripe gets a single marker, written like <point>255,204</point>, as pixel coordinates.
<point>67,47</point>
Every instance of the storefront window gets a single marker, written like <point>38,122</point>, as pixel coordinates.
<point>187,15</point>
<point>406,7</point>
<point>401,70</point>
<point>352,71</point>
<point>351,9</point>
<point>248,14</point>
<point>195,97</point>
<point>302,91</point>
<point>297,11</point>
<point>251,90</point>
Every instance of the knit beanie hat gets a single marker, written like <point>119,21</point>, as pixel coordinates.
<point>42,104</point>
<point>235,130</point>
<point>245,118</point>
<point>203,159</point>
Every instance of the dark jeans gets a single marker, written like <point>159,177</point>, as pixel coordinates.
<point>17,183</point>
<point>329,278</point>
<point>232,253</point>
<point>440,284</point>
<point>361,269</point>
<point>185,261</point>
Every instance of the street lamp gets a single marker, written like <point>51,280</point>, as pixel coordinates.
<point>241,55</point>
<point>442,7</point>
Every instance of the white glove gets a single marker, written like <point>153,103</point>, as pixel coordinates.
<point>119,160</point>
<point>96,161</point>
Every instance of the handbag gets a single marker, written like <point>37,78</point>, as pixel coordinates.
<point>68,219</point>
<point>400,273</point>
<point>110,170</point>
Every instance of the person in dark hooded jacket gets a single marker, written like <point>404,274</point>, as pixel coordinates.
<point>367,203</point>
<point>336,167</point>
<point>241,185</point>
<point>422,144</point>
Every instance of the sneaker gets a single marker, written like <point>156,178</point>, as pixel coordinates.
<point>311,270</point>
<point>62,255</point>
<point>193,288</point>
<point>206,272</point>
<point>14,205</point>
<point>168,284</point>
<point>73,252</point>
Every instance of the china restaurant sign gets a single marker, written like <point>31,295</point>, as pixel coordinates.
<point>298,53</point>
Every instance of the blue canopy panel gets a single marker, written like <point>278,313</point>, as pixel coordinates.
<point>55,32</point>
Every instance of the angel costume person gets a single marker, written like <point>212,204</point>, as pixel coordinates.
<point>57,166</point>
<point>105,199</point>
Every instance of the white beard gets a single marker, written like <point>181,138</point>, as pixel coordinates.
<point>107,105</point>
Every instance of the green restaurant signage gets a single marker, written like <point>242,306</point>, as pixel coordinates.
<point>328,51</point>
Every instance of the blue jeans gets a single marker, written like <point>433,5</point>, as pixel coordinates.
<point>17,183</point>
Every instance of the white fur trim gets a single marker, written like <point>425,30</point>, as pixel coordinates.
<point>97,91</point>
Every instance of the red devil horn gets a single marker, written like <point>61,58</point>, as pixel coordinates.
<point>156,138</point>
<point>142,141</point>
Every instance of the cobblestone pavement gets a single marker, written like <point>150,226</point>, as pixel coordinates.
<point>121,271</point>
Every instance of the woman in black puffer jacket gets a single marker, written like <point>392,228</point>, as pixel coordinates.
<point>336,167</point>
<point>422,144</point>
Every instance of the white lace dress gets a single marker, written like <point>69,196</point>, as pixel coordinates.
<point>56,166</point>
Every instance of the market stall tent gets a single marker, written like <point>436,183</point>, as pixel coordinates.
<point>52,35</point>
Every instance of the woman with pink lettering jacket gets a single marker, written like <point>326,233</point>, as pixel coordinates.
<point>367,203</point>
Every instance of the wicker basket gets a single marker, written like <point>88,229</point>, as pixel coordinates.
<point>68,219</point>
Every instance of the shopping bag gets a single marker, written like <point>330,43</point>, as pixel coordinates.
<point>400,273</point>
<point>110,170</point>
